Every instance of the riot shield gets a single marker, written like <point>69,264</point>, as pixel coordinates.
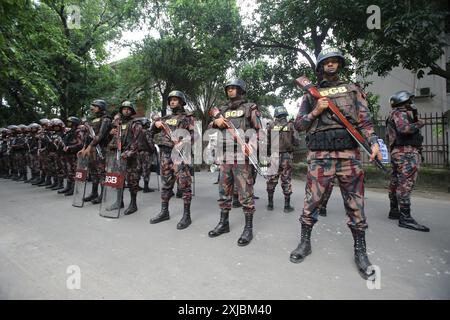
<point>80,182</point>
<point>156,164</point>
<point>113,187</point>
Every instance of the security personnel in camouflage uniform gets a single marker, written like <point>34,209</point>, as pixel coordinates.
<point>282,132</point>
<point>170,171</point>
<point>32,142</point>
<point>44,137</point>
<point>333,153</point>
<point>146,149</point>
<point>101,124</point>
<point>73,142</point>
<point>18,151</point>
<point>130,131</point>
<point>4,157</point>
<point>55,147</point>
<point>244,115</point>
<point>405,145</point>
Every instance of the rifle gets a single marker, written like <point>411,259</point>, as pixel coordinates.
<point>92,135</point>
<point>248,151</point>
<point>118,139</point>
<point>168,132</point>
<point>305,84</point>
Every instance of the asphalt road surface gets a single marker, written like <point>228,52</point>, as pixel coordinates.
<point>51,250</point>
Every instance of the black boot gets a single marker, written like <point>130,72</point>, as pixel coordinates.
<point>60,184</point>
<point>304,247</point>
<point>323,211</point>
<point>163,215</point>
<point>54,184</point>
<point>406,221</point>
<point>362,261</point>
<point>15,176</point>
<point>186,219</point>
<point>179,194</point>
<point>287,205</point>
<point>236,203</point>
<point>222,227</point>
<point>247,234</point>
<point>270,204</point>
<point>65,189</point>
<point>36,179</point>
<point>94,193</point>
<point>70,191</point>
<point>99,198</point>
<point>146,187</point>
<point>132,208</point>
<point>394,213</point>
<point>23,176</point>
<point>47,181</point>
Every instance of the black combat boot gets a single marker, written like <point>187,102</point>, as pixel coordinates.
<point>323,211</point>
<point>71,185</point>
<point>60,184</point>
<point>304,247</point>
<point>163,215</point>
<point>223,226</point>
<point>15,176</point>
<point>23,176</point>
<point>287,204</point>
<point>94,193</point>
<point>247,234</point>
<point>45,181</point>
<point>270,204</point>
<point>236,203</point>
<point>146,187</point>
<point>54,184</point>
<point>362,261</point>
<point>186,219</point>
<point>132,208</point>
<point>36,176</point>
<point>99,198</point>
<point>394,213</point>
<point>40,179</point>
<point>66,188</point>
<point>406,221</point>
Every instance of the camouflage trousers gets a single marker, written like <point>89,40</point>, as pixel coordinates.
<point>70,166</point>
<point>145,163</point>
<point>5,165</point>
<point>239,177</point>
<point>133,173</point>
<point>20,162</point>
<point>170,173</point>
<point>405,168</point>
<point>61,166</point>
<point>33,162</point>
<point>285,171</point>
<point>43,162</point>
<point>350,176</point>
<point>97,167</point>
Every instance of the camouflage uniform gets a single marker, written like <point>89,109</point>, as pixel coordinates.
<point>33,157</point>
<point>405,145</point>
<point>334,154</point>
<point>282,132</point>
<point>146,149</point>
<point>170,171</point>
<point>101,125</point>
<point>4,157</point>
<point>19,150</point>
<point>344,164</point>
<point>239,174</point>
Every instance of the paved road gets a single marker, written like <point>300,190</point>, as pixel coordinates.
<point>41,235</point>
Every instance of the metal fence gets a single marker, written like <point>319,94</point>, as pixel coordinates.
<point>435,138</point>
<point>435,143</point>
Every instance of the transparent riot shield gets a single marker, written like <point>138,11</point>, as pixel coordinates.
<point>113,187</point>
<point>80,182</point>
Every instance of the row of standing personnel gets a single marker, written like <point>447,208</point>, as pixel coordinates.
<point>333,155</point>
